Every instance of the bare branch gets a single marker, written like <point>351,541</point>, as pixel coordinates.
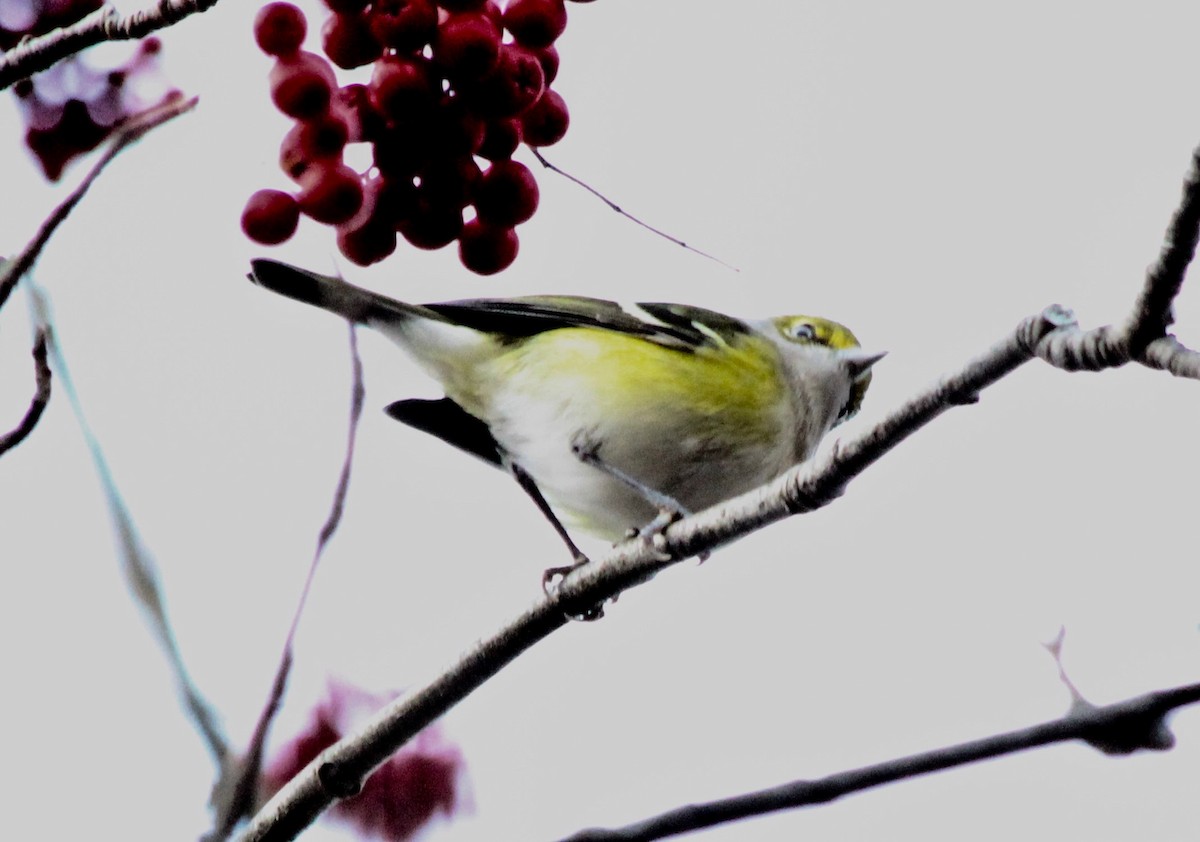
<point>37,54</point>
<point>12,271</point>
<point>1122,728</point>
<point>41,397</point>
<point>1170,355</point>
<point>1152,314</point>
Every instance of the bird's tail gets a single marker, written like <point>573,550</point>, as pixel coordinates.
<point>335,295</point>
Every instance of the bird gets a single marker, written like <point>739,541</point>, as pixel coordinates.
<point>611,416</point>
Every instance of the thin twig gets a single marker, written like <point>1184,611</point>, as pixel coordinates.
<point>1132,725</point>
<point>236,796</point>
<point>137,563</point>
<point>614,206</point>
<point>105,24</point>
<point>37,404</point>
<point>12,271</point>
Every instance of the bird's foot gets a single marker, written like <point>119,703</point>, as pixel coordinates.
<point>552,579</point>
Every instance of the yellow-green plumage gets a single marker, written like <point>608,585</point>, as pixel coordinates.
<point>690,403</point>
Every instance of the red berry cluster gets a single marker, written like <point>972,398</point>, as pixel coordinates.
<point>71,108</point>
<point>447,91</point>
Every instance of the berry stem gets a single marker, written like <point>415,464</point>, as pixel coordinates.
<point>542,160</point>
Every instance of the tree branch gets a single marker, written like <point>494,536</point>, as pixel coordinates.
<point>37,54</point>
<point>1152,311</point>
<point>41,397</point>
<point>1122,728</point>
<point>131,130</point>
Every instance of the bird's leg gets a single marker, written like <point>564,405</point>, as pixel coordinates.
<point>552,576</point>
<point>587,450</point>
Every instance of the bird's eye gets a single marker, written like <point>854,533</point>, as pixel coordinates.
<point>801,331</point>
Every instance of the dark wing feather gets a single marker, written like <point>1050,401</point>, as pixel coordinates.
<point>520,318</point>
<point>684,318</point>
<point>451,423</point>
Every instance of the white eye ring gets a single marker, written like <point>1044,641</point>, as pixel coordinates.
<point>802,331</point>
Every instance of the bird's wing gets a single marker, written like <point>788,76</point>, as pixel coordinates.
<point>672,325</point>
<point>451,423</point>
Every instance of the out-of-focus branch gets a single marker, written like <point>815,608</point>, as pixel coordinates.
<point>137,562</point>
<point>37,54</point>
<point>131,130</point>
<point>1122,728</point>
<point>237,784</point>
<point>41,397</point>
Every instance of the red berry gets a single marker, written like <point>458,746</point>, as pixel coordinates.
<point>500,139</point>
<point>400,151</point>
<point>468,45</point>
<point>367,244</point>
<point>431,226</point>
<point>486,249</point>
<point>462,5</point>
<point>319,141</point>
<point>352,103</point>
<point>279,29</point>
<point>458,130</point>
<point>406,25</point>
<point>507,194</point>
<point>331,194</point>
<point>347,40</point>
<point>450,182</point>
<point>546,122</point>
<point>402,88</point>
<point>548,56</point>
<point>514,84</point>
<point>535,23</point>
<point>346,7</point>
<point>301,85</point>
<point>395,201</point>
<point>270,217</point>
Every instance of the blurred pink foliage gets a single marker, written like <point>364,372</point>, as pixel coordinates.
<point>424,779</point>
<point>71,108</point>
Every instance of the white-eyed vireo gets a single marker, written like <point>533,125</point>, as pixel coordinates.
<point>605,412</point>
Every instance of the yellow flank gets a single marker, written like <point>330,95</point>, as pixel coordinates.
<point>735,386</point>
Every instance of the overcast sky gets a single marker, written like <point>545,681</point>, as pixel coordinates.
<point>927,173</point>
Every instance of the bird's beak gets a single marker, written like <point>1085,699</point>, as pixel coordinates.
<point>858,361</point>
